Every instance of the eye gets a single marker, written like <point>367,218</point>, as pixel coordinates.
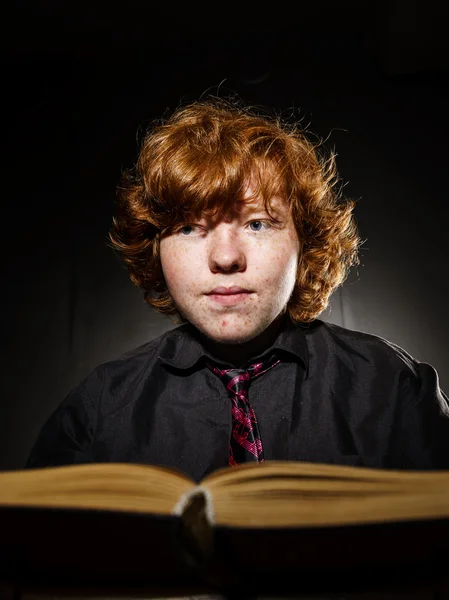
<point>259,225</point>
<point>189,230</point>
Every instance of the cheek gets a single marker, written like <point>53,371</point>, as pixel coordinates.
<point>178,266</point>
<point>280,264</point>
<point>171,261</point>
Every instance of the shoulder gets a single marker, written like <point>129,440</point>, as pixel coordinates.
<point>388,368</point>
<point>357,347</point>
<point>133,365</point>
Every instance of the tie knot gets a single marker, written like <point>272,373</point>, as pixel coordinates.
<point>237,381</point>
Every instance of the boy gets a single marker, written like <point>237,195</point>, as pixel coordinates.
<point>230,224</point>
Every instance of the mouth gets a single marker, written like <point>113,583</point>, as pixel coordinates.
<point>227,291</point>
<point>229,296</point>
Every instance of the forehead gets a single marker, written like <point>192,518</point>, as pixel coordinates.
<point>257,203</point>
<point>276,207</point>
<point>262,191</point>
<point>258,195</point>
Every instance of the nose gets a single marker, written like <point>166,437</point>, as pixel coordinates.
<point>226,252</point>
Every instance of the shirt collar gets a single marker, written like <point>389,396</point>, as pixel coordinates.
<point>182,348</point>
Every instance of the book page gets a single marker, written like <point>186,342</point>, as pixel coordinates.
<point>284,494</point>
<point>118,487</point>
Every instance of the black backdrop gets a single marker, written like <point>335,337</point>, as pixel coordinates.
<point>81,81</point>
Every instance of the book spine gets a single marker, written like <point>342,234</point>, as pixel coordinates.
<point>194,539</point>
<point>196,524</point>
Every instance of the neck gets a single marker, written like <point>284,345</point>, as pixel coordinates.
<point>239,354</point>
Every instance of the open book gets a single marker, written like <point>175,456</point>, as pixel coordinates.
<point>122,522</point>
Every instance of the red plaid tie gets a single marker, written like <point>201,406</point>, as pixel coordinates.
<point>246,444</point>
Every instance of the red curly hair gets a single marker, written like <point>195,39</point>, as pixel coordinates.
<point>199,161</point>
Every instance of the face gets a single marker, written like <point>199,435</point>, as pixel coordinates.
<point>231,278</point>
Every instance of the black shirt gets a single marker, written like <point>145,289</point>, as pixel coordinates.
<point>338,396</point>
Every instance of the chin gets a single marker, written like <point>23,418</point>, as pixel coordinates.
<point>235,335</point>
<point>231,339</point>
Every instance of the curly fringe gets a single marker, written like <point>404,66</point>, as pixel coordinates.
<point>199,161</point>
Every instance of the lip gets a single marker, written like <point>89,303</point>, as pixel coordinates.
<point>229,296</point>
<point>224,291</point>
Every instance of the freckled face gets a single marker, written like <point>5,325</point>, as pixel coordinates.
<point>248,260</point>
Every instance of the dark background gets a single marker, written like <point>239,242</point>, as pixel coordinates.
<point>81,79</point>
